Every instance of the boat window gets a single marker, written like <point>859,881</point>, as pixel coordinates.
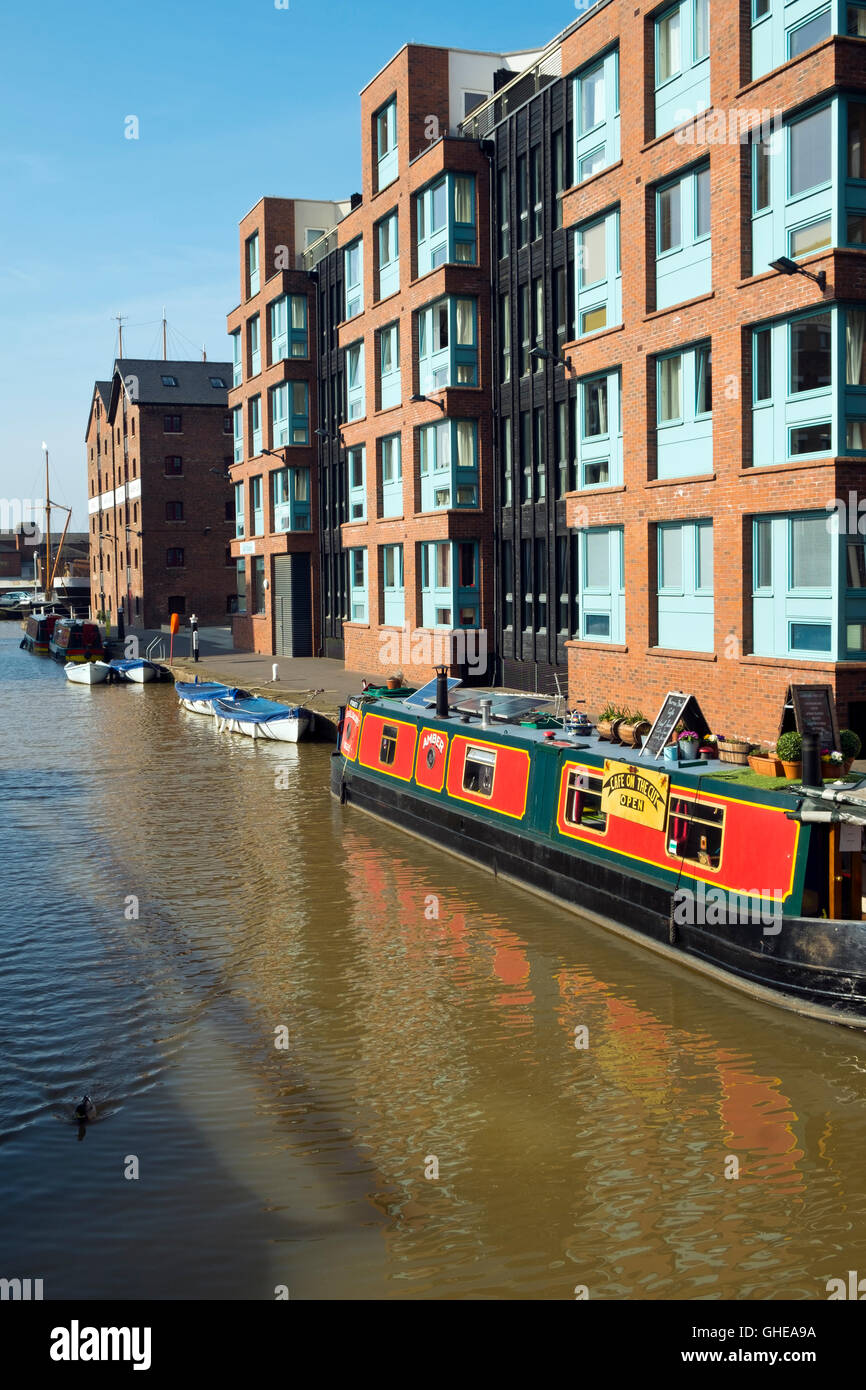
<point>583,801</point>
<point>694,831</point>
<point>478,771</point>
<point>388,746</point>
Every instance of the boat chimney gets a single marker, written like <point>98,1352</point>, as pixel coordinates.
<point>813,774</point>
<point>441,692</point>
<point>485,706</point>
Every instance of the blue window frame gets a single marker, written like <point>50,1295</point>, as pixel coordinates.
<point>356,391</point>
<point>684,412</point>
<point>393,591</point>
<point>447,344</point>
<point>239,510</point>
<point>599,412</point>
<point>238,422</point>
<point>391,464</point>
<point>683,245</point>
<point>798,406</point>
<point>445,222</point>
<point>450,592</point>
<point>389,366</point>
<point>388,250</point>
<point>598,276</point>
<point>783,29</point>
<point>796,560</point>
<point>595,96</point>
<point>356,467</point>
<point>682,63</point>
<point>256,426</point>
<point>353,276</point>
<point>358,601</point>
<point>257,511</point>
<point>237,363</point>
<point>799,199</point>
<point>385,127</point>
<point>290,492</point>
<point>254,344</point>
<point>448,464</point>
<point>253,277</point>
<point>685,586</point>
<point>290,414</point>
<point>602,607</point>
<point>288,325</point>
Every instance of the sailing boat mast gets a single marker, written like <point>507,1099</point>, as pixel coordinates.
<point>47,524</point>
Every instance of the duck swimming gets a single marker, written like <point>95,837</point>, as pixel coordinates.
<point>85,1109</point>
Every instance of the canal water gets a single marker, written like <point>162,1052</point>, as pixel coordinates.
<point>178,904</point>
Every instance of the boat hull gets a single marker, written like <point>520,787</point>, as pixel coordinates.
<point>87,672</point>
<point>279,730</point>
<point>810,966</point>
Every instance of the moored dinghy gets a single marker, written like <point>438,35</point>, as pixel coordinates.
<point>87,672</point>
<point>198,696</point>
<point>260,718</point>
<point>135,669</point>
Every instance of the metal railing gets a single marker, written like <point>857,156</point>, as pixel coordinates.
<point>518,91</point>
<point>319,250</point>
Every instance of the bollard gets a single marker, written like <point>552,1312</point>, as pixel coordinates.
<point>275,672</point>
<point>813,772</point>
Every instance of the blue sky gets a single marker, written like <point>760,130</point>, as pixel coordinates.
<point>235,99</point>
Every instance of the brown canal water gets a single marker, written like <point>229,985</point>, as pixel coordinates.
<point>263,905</point>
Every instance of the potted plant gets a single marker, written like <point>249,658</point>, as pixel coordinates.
<point>765,761</point>
<point>850,745</point>
<point>790,751</point>
<point>604,723</point>
<point>709,746</point>
<point>688,740</point>
<point>735,750</point>
<point>833,764</point>
<point>632,728</point>
<point>395,682</point>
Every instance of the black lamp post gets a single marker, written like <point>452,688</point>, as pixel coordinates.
<point>418,398</point>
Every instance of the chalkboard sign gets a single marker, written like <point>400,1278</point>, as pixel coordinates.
<point>677,706</point>
<point>814,711</point>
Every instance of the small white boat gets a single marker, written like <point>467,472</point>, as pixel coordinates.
<point>87,672</point>
<point>135,669</point>
<point>260,718</point>
<point>198,696</point>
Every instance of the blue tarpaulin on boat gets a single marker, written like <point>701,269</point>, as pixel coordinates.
<point>128,663</point>
<point>205,690</point>
<point>255,710</point>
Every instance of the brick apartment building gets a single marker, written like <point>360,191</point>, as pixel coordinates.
<point>563,396</point>
<point>159,498</point>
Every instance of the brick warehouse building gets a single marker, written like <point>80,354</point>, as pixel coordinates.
<point>159,499</point>
<point>658,420</point>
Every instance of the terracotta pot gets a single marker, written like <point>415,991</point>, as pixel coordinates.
<point>394,682</point>
<point>847,765</point>
<point>793,771</point>
<point>766,765</point>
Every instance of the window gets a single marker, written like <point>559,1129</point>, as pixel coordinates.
<point>535,191</point>
<point>505,337</point>
<point>169,380</point>
<point>502,203</point>
<point>522,202</point>
<point>806,35</point>
<point>801,417</point>
<point>445,222</point>
<point>797,605</point>
<point>538,320</point>
<point>239,510</point>
<point>559,175</point>
<point>312,234</point>
<point>290,492</point>
<point>387,242</point>
<point>602,612</point>
<point>523,328</point>
<point>256,425</point>
<point>171,424</point>
<point>539,453</point>
<point>809,151</point>
<point>358,586</point>
<point>685,586</point>
<point>507,572</point>
<point>856,137</point>
<point>600,444</point>
<point>256,510</point>
<point>472,100</point>
<point>479,770</point>
<point>507,463</point>
<point>388,744</point>
<point>173,465</point>
<point>393,605</point>
<point>392,476</point>
<point>353,270</point>
<point>595,120</point>
<point>447,345</point>
<point>174,557</point>
<point>355,381</point>
<point>357,472</point>
<point>257,586</point>
<point>385,122</point>
<point>288,320</point>
<point>811,364</point>
<point>583,801</point>
<point>682,77</point>
<point>254,346</point>
<point>174,511</point>
<point>252,265</point>
<point>228,426</point>
<point>695,831</point>
<point>684,403</point>
<point>241,584</point>
<point>683,251</point>
<point>597,275</point>
<point>447,588</point>
<point>448,464</point>
<point>238,435</point>
<point>389,366</point>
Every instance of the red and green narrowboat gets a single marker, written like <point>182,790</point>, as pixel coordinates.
<point>756,888</point>
<point>76,640</point>
<point>37,632</point>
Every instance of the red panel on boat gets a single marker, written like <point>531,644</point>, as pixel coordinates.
<point>489,774</point>
<point>431,760</point>
<point>388,745</point>
<point>351,729</point>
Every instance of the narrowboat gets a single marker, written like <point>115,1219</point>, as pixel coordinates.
<point>198,696</point>
<point>75,640</point>
<point>261,718</point>
<point>756,889</point>
<point>38,632</point>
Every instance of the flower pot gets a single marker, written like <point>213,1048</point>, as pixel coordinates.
<point>734,751</point>
<point>793,771</point>
<point>847,765</point>
<point>603,728</point>
<point>670,754</point>
<point>615,736</point>
<point>632,734</point>
<point>688,749</point>
<point>394,682</point>
<point>766,764</point>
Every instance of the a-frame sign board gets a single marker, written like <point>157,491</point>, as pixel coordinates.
<point>677,706</point>
<point>812,709</point>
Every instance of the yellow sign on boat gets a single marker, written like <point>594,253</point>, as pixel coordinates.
<point>635,794</point>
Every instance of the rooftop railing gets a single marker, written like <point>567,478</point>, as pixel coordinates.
<point>518,91</point>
